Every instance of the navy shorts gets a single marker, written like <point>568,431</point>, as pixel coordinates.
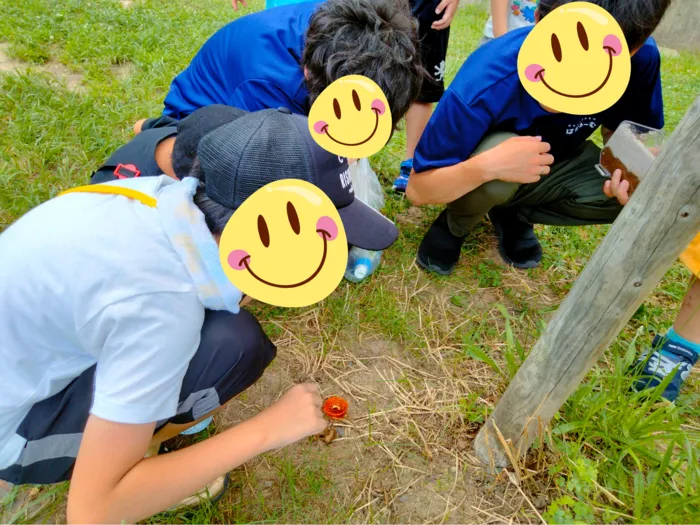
<point>135,158</point>
<point>433,47</point>
<point>233,354</point>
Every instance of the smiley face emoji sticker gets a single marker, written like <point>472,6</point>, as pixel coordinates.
<point>575,60</point>
<point>351,118</point>
<point>285,245</point>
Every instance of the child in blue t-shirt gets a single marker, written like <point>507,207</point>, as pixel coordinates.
<point>489,145</point>
<point>286,56</point>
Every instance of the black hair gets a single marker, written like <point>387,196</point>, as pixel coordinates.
<point>374,38</point>
<point>637,18</point>
<point>215,214</point>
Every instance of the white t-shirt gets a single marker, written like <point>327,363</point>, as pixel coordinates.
<point>521,13</point>
<point>93,279</point>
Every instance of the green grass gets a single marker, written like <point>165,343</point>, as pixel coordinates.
<point>611,456</point>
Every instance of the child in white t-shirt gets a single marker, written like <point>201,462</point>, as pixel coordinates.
<point>507,15</point>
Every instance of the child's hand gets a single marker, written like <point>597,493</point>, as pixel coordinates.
<point>617,188</point>
<point>448,8</point>
<point>295,416</point>
<point>522,160</point>
<point>234,4</point>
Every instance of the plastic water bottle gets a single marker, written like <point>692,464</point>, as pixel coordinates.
<point>361,263</point>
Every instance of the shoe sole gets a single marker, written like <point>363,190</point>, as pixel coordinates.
<point>506,259</point>
<point>432,268</point>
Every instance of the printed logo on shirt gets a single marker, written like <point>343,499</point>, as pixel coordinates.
<point>585,122</point>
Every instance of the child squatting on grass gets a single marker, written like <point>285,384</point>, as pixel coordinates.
<point>288,55</point>
<point>490,148</point>
<point>121,331</point>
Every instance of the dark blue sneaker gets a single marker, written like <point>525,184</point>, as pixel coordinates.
<point>404,173</point>
<point>667,357</point>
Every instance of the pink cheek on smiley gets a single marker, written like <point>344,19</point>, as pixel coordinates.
<point>320,127</point>
<point>327,225</point>
<point>378,106</point>
<point>236,258</point>
<point>614,44</point>
<point>532,72</point>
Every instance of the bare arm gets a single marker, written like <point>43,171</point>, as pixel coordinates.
<point>112,483</point>
<point>522,160</point>
<point>499,15</point>
<point>443,185</point>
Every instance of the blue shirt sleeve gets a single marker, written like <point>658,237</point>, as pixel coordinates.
<point>205,80</point>
<point>452,134</point>
<point>255,95</point>
<point>643,101</point>
<point>459,124</point>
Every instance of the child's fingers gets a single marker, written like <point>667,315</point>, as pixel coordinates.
<point>615,182</point>
<point>440,24</point>
<point>623,195</point>
<point>441,6</point>
<point>544,147</point>
<point>526,138</point>
<point>607,189</point>
<point>546,159</point>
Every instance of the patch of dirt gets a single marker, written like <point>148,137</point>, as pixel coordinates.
<point>126,4</point>
<point>123,70</point>
<point>668,52</point>
<point>35,505</point>
<point>404,452</point>
<point>412,216</point>
<point>73,81</point>
<point>7,63</point>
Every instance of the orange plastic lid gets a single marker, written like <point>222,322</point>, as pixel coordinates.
<point>335,407</point>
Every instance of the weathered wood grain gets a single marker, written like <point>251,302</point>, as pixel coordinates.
<point>653,229</point>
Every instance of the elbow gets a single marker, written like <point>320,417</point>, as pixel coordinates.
<point>414,195</point>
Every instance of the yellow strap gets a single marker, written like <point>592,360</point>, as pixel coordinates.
<point>114,190</point>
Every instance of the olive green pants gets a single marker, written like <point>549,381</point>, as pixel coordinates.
<point>571,195</point>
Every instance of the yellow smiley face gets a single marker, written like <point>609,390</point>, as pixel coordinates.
<point>575,60</point>
<point>351,118</point>
<point>285,245</point>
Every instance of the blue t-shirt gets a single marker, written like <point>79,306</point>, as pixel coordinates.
<point>251,63</point>
<point>486,96</point>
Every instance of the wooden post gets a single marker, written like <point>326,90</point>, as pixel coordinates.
<point>650,233</point>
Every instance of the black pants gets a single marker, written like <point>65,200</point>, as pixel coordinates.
<point>233,354</point>
<point>433,49</point>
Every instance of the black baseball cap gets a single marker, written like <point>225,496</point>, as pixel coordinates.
<point>192,128</point>
<point>241,156</point>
